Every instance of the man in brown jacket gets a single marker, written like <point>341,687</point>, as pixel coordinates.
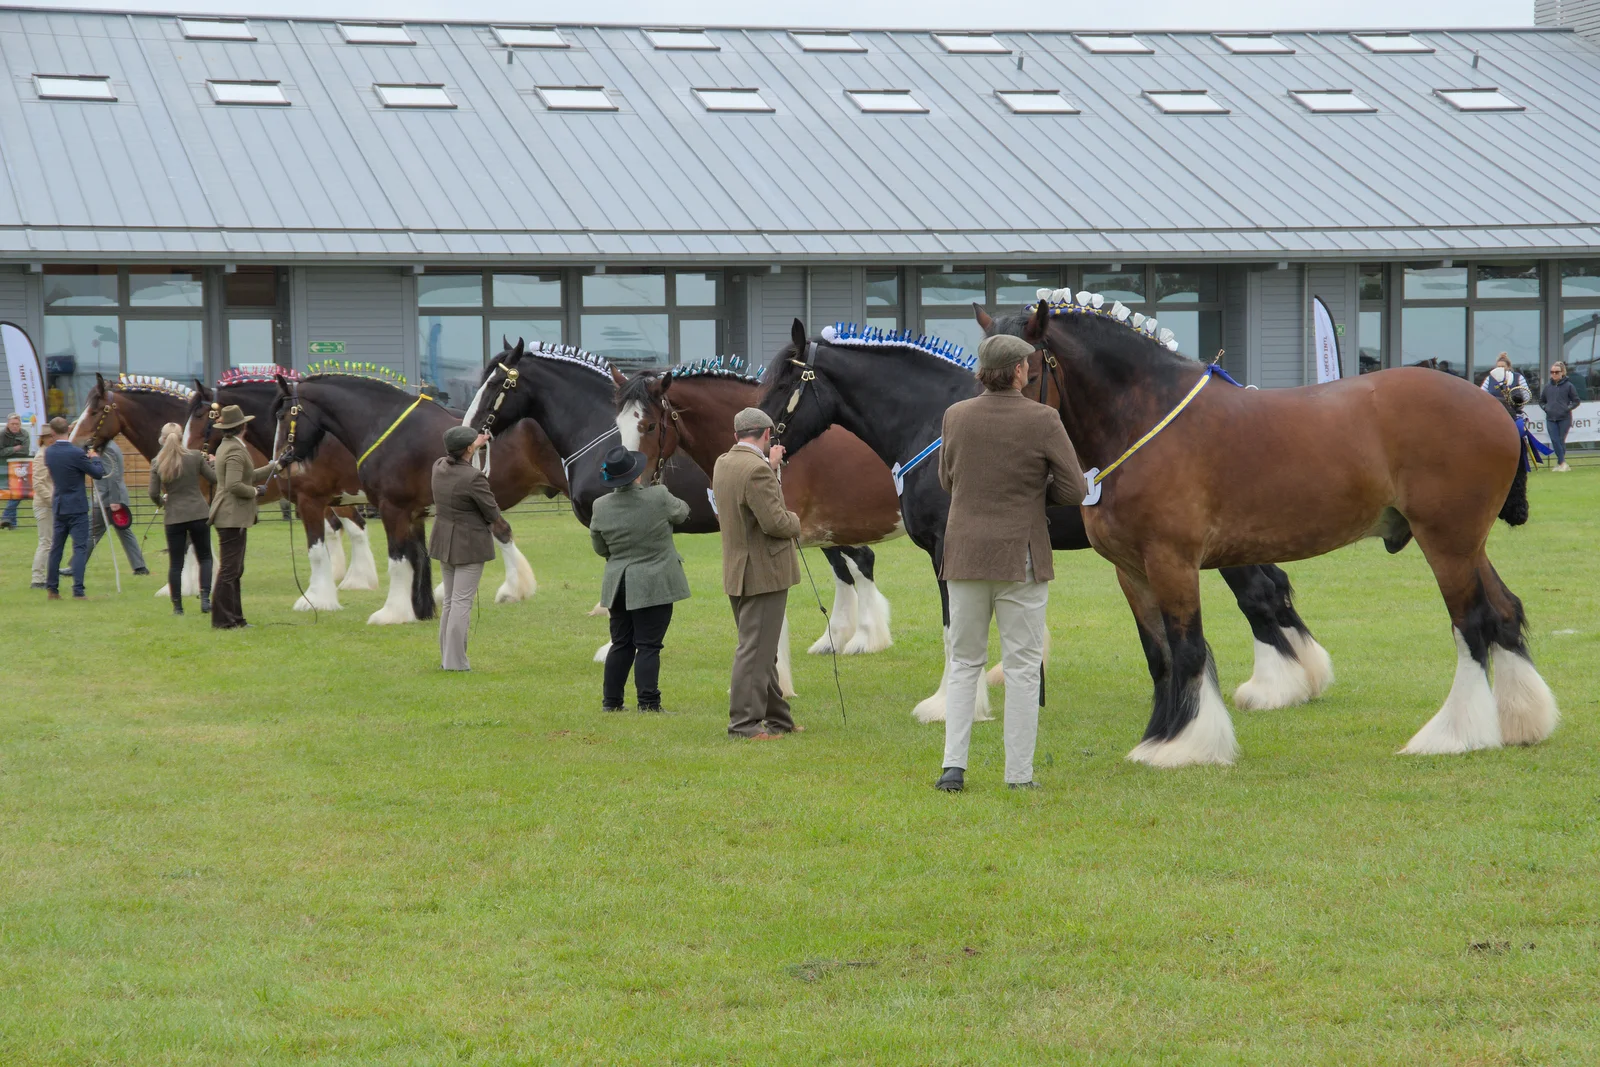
<point>758,567</point>
<point>1003,457</point>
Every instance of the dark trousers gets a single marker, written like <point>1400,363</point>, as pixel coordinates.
<point>130,543</point>
<point>77,528</point>
<point>180,535</point>
<point>11,511</point>
<point>1558,436</point>
<point>755,700</point>
<point>226,609</point>
<point>636,639</point>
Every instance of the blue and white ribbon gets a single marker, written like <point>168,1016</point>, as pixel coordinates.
<point>900,470</point>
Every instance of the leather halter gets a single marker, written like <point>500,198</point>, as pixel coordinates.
<point>661,437</point>
<point>287,455</point>
<point>1048,366</point>
<point>110,405</point>
<point>507,384</point>
<point>808,373</point>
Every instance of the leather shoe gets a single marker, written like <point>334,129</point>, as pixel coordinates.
<point>612,707</point>
<point>953,780</point>
<point>656,708</point>
<point>52,595</point>
<point>767,737</point>
<point>142,572</point>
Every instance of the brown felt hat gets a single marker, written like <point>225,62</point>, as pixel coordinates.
<point>1002,352</point>
<point>231,416</point>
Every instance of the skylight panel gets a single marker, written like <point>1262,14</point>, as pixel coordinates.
<point>885,101</point>
<point>1113,44</point>
<point>576,98</point>
<point>1036,102</point>
<point>1478,100</point>
<point>1391,42</point>
<point>375,33</point>
<point>1185,102</point>
<point>413,96</point>
<point>1330,101</point>
<point>216,29</point>
<point>73,87</point>
<point>682,41</point>
<point>732,100</point>
<point>972,44</point>
<point>1253,44</point>
<point>826,41</point>
<point>262,93</point>
<point>529,37</point>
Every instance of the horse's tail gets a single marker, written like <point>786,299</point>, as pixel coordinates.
<point>1515,510</point>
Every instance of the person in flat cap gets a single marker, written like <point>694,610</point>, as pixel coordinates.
<point>759,565</point>
<point>465,516</point>
<point>233,512</point>
<point>631,528</point>
<point>1004,458</point>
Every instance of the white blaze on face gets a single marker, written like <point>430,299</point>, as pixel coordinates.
<point>477,399</point>
<point>628,424</point>
<point>72,435</point>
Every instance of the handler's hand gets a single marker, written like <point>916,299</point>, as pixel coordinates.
<point>775,456</point>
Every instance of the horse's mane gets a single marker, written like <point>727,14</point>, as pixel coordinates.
<point>394,382</point>
<point>147,383</point>
<point>734,367</point>
<point>849,335</point>
<point>565,354</point>
<point>1090,307</point>
<point>257,373</point>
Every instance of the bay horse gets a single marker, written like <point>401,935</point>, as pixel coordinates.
<point>892,392</point>
<point>842,492</point>
<point>1247,476</point>
<point>317,484</point>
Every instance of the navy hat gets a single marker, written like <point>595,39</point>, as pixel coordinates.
<point>621,466</point>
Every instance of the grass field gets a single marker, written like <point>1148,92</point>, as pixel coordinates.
<point>302,843</point>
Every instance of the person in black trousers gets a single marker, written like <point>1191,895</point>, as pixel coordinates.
<point>175,479</point>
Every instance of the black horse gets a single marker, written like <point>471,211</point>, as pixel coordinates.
<point>893,396</point>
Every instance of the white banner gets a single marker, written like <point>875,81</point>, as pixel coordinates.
<point>1326,343</point>
<point>1585,423</point>
<point>27,381</point>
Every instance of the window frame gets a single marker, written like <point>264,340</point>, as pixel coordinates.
<point>216,86</point>
<point>503,41</point>
<point>1067,106</point>
<point>124,311</point>
<point>699,93</point>
<point>346,28</point>
<point>448,105</point>
<point>1136,47</point>
<point>186,22</point>
<point>607,104</point>
<point>1300,96</point>
<point>949,41</point>
<point>81,79</point>
<point>661,40</point>
<point>1155,97</point>
<point>1450,96</point>
<point>670,308</point>
<point>802,37</point>
<point>857,96</point>
<point>1280,48</point>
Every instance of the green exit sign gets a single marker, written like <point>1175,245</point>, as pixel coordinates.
<point>326,348</point>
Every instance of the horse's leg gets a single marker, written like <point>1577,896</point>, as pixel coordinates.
<point>331,535</point>
<point>842,619</point>
<point>872,607</point>
<point>520,584</point>
<point>1527,708</point>
<point>1279,678</point>
<point>932,709</point>
<point>997,673</point>
<point>363,571</point>
<point>398,607</point>
<point>190,580</point>
<point>1188,722</point>
<point>422,598</point>
<point>321,593</point>
<point>785,668</point>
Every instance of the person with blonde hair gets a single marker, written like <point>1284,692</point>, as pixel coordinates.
<point>1559,399</point>
<point>175,477</point>
<point>43,514</point>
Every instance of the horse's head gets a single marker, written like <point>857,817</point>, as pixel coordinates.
<point>101,420</point>
<point>500,401</point>
<point>298,424</point>
<point>798,393</point>
<point>646,418</point>
<point>200,430</point>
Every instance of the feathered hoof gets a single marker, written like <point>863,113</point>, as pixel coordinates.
<point>931,709</point>
<point>308,602</point>
<point>603,651</point>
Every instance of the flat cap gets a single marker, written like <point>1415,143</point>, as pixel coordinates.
<point>1002,351</point>
<point>457,438</point>
<point>751,419</point>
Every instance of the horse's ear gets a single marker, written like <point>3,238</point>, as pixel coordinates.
<point>984,319</point>
<point>797,334</point>
<point>1034,331</point>
<point>516,353</point>
<point>663,383</point>
<point>522,347</point>
<point>283,384</point>
<point>505,342</point>
<point>99,381</point>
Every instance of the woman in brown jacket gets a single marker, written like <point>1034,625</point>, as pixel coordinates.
<point>175,477</point>
<point>465,516</point>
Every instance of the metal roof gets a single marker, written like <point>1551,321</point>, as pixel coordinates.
<point>165,172</point>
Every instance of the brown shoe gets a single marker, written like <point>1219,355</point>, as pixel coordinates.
<point>766,737</point>
<point>52,596</point>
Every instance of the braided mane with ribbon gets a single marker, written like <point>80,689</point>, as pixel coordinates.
<point>149,383</point>
<point>1066,302</point>
<point>850,335</point>
<point>570,354</point>
<point>734,367</point>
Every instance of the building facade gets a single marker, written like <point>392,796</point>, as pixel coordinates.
<point>185,195</point>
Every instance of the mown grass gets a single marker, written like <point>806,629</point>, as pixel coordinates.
<point>303,844</point>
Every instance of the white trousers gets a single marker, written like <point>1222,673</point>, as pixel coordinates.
<point>455,613</point>
<point>1019,610</point>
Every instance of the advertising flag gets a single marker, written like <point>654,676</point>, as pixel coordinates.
<point>27,381</point>
<point>1326,343</point>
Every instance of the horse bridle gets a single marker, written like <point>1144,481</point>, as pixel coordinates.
<point>95,440</point>
<point>808,373</point>
<point>669,412</point>
<point>1048,366</point>
<point>507,384</point>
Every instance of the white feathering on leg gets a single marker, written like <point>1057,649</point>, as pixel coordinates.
<point>931,709</point>
<point>362,573</point>
<point>1468,720</point>
<point>330,534</point>
<point>397,608</point>
<point>841,620</point>
<point>1313,658</point>
<point>785,672</point>
<point>1526,707</point>
<point>520,583</point>
<point>1208,738</point>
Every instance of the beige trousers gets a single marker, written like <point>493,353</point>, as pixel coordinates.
<point>755,700</point>
<point>455,613</point>
<point>1019,610</point>
<point>46,522</point>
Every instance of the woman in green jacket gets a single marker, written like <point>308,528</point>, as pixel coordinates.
<point>632,528</point>
<point>175,477</point>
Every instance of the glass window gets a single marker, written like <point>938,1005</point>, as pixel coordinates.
<point>80,287</point>
<point>450,290</point>
<point>1434,337</point>
<point>1253,44</point>
<point>1390,42</point>
<point>528,37</point>
<point>374,33</point>
<point>885,100</point>
<point>1022,286</point>
<point>74,87</point>
<point>255,287</point>
<point>697,339</point>
<point>1124,285</point>
<point>826,41</point>
<point>169,348</point>
<point>1581,280</point>
<point>732,100</point>
<point>883,289</point>
<point>1186,102</point>
<point>697,290</point>
<point>1436,283</point>
<point>532,331</point>
<point>962,330</point>
<point>413,96</point>
<point>636,338</point>
<point>1331,101</point>
<point>1508,280</point>
<point>624,290</point>
<point>527,290</point>
<point>1194,286</point>
<point>576,98</point>
<point>1516,333</point>
<point>450,351</point>
<point>216,29</point>
<point>178,287</point>
<point>1113,44</point>
<point>1370,354</point>
<point>1478,100</point>
<point>681,40</point>
<point>75,347</point>
<point>249,341</point>
<point>1036,102</point>
<point>971,44</point>
<point>269,93</point>
<point>1199,333</point>
<point>961,287</point>
<point>1372,276</point>
<point>1580,348</point>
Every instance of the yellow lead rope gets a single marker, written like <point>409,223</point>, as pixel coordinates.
<point>1095,475</point>
<point>396,425</point>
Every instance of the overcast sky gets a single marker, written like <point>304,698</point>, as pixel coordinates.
<point>989,14</point>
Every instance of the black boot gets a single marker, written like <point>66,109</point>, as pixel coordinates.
<point>177,605</point>
<point>952,780</point>
<point>205,602</point>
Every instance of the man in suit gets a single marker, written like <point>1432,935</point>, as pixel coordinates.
<point>68,464</point>
<point>758,567</point>
<point>111,493</point>
<point>1004,456</point>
